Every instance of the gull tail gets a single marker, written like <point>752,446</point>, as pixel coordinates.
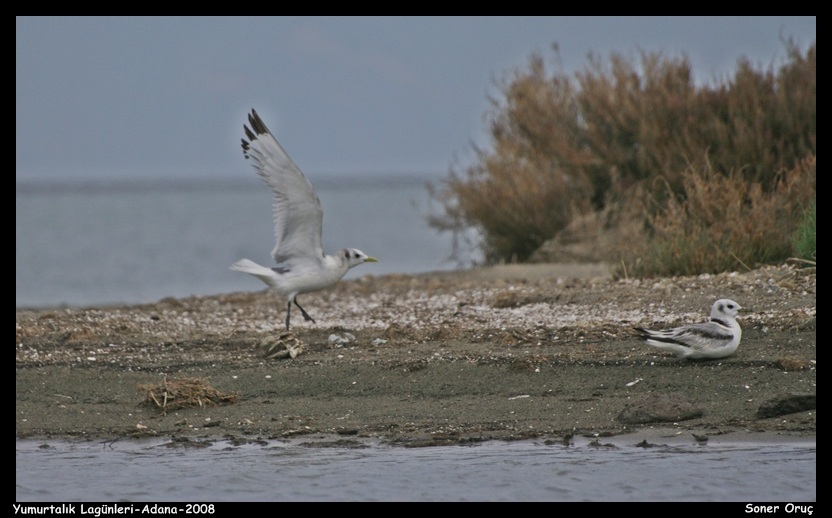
<point>250,267</point>
<point>643,333</point>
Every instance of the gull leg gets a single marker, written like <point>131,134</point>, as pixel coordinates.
<point>305,314</point>
<point>288,311</point>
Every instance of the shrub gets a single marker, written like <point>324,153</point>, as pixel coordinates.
<point>723,222</point>
<point>561,148</point>
<point>523,191</point>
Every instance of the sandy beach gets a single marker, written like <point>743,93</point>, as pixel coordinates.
<point>510,352</point>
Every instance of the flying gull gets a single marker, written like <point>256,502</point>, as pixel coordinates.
<point>302,266</point>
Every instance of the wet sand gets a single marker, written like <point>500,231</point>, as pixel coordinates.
<point>513,352</point>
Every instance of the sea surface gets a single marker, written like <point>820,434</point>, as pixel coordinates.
<point>93,243</point>
<point>672,471</point>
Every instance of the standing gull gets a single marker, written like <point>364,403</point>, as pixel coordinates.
<point>302,265</point>
<point>717,338</point>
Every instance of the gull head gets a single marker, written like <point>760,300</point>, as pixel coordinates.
<point>725,308</point>
<point>354,257</point>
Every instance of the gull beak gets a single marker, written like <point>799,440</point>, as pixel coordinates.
<point>371,260</point>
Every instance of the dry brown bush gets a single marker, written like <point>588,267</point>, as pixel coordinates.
<point>562,148</point>
<point>722,222</point>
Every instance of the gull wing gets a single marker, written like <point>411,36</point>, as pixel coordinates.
<point>297,210</point>
<point>706,336</point>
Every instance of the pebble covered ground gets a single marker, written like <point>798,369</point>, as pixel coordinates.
<point>554,321</point>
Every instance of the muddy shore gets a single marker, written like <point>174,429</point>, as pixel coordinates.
<point>511,352</point>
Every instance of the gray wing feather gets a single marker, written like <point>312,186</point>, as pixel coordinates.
<point>696,336</point>
<point>297,210</point>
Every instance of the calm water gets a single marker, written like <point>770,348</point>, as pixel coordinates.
<point>91,244</point>
<point>492,471</point>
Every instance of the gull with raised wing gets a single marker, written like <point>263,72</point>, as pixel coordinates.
<point>717,338</point>
<point>302,266</point>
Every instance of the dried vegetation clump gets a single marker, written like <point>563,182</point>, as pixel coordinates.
<point>722,222</point>
<point>174,394</point>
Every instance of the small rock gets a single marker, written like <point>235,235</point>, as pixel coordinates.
<point>655,408</point>
<point>339,340</point>
<point>787,404</point>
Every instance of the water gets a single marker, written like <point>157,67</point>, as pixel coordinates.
<point>93,243</point>
<point>491,471</point>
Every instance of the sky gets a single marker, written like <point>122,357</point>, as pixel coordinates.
<point>126,98</point>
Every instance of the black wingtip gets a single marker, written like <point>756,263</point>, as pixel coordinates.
<point>257,123</point>
<point>257,128</point>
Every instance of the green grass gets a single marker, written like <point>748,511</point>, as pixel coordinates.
<point>804,238</point>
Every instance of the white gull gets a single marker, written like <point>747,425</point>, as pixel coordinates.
<point>717,338</point>
<point>302,265</point>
